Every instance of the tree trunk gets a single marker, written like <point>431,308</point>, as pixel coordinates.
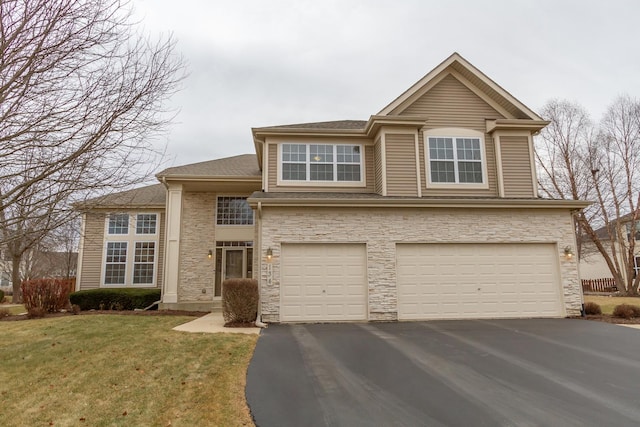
<point>15,278</point>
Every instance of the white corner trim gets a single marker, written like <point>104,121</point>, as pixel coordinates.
<point>383,153</point>
<point>496,139</point>
<point>418,174</point>
<point>534,173</point>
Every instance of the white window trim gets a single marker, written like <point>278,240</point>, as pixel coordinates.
<point>135,223</point>
<point>215,210</point>
<point>104,264</point>
<point>454,133</point>
<point>308,182</point>
<point>106,230</point>
<point>131,238</point>
<point>155,263</point>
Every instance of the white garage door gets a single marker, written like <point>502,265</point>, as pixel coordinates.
<point>456,281</point>
<point>323,282</point>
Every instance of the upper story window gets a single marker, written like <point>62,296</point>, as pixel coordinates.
<point>146,223</point>
<point>455,157</point>
<point>321,162</point>
<point>118,224</point>
<point>233,211</point>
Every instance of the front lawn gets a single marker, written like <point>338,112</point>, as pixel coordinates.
<point>111,370</point>
<point>607,303</point>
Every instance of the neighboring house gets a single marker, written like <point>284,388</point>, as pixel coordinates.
<point>428,210</point>
<point>593,264</point>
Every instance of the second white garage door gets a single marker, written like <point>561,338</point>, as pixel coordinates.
<point>456,281</point>
<point>323,282</point>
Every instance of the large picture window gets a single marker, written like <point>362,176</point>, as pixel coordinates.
<point>131,245</point>
<point>321,162</point>
<point>233,211</point>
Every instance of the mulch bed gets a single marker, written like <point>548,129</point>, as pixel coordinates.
<point>124,312</point>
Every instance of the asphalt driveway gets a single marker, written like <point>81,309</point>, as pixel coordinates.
<point>543,372</point>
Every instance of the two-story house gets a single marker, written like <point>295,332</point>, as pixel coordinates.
<point>427,210</point>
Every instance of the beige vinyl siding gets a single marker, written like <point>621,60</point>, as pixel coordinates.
<point>274,169</point>
<point>271,152</point>
<point>450,104</point>
<point>378,163</point>
<point>400,154</point>
<point>92,250</point>
<point>516,166</point>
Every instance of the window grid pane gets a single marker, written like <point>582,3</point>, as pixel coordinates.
<point>146,223</point>
<point>321,172</point>
<point>233,211</point>
<point>462,165</point>
<point>116,263</point>
<point>144,257</point>
<point>326,162</point>
<point>118,224</point>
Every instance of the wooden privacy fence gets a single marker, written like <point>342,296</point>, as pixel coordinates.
<point>599,285</point>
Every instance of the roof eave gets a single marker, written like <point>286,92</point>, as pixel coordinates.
<point>534,126</point>
<point>211,178</point>
<point>417,202</point>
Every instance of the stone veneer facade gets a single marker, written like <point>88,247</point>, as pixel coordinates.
<point>382,228</point>
<point>197,237</point>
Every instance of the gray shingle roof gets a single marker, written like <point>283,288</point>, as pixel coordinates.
<point>337,125</point>
<point>244,165</point>
<point>150,195</point>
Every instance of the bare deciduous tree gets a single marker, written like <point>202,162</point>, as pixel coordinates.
<point>81,96</point>
<point>578,160</point>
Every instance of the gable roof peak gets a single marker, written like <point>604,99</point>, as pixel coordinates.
<point>463,70</point>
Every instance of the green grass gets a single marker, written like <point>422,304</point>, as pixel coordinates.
<point>19,309</point>
<point>118,370</point>
<point>607,303</point>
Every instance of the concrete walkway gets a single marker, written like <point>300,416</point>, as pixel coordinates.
<point>213,323</point>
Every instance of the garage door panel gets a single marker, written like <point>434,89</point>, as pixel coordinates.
<point>438,281</point>
<point>329,281</point>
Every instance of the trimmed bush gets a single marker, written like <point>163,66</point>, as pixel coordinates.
<point>626,311</point>
<point>1,296</point>
<point>115,298</point>
<point>239,300</point>
<point>45,295</point>
<point>591,308</point>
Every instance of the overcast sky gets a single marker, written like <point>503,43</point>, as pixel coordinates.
<point>262,63</point>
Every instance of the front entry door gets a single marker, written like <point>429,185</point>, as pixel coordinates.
<point>233,263</point>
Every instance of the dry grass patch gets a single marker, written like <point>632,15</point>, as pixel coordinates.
<point>608,303</point>
<point>112,370</point>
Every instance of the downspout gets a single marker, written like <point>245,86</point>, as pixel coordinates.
<point>259,322</point>
<point>164,255</point>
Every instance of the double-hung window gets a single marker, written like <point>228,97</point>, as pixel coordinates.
<point>116,263</point>
<point>327,163</point>
<point>455,160</point>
